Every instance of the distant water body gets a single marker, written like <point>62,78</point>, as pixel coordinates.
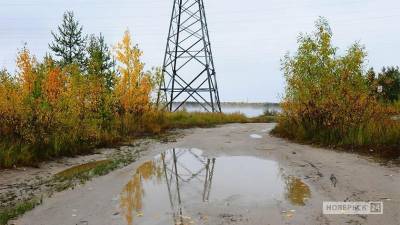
<point>248,109</point>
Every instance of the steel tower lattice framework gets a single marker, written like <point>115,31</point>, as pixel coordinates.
<point>188,72</point>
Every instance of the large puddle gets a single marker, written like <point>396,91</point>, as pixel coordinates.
<point>161,191</point>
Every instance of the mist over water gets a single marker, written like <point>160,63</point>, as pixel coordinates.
<point>248,109</point>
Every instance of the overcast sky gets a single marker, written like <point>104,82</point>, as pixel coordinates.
<point>248,37</point>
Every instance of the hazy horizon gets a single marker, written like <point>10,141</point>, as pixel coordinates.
<point>248,37</point>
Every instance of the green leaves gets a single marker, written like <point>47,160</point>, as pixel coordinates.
<point>69,43</point>
<point>100,63</point>
<point>328,96</point>
<point>389,80</point>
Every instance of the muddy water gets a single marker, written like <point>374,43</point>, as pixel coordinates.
<point>166,189</point>
<point>75,170</point>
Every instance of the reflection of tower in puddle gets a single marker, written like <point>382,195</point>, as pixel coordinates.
<point>175,180</point>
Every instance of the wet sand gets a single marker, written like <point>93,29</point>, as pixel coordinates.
<point>297,179</point>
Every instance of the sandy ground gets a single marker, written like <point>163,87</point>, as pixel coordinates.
<point>358,179</point>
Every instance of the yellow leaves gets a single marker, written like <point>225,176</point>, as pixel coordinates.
<point>26,73</point>
<point>134,86</point>
<point>129,56</point>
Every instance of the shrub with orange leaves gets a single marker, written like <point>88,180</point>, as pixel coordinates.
<point>54,85</point>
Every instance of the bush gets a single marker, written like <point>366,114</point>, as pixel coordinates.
<point>328,98</point>
<point>48,111</point>
<point>389,80</point>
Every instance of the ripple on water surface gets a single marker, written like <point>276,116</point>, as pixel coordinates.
<point>163,190</point>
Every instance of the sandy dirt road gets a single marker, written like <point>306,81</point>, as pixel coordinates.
<point>356,178</point>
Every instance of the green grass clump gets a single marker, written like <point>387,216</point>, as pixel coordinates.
<point>19,209</point>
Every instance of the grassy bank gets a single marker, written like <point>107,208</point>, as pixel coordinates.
<point>371,138</point>
<point>151,123</point>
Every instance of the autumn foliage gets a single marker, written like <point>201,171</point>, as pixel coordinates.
<point>48,110</point>
<point>328,99</point>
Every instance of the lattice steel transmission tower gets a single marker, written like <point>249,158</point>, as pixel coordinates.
<point>188,72</point>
